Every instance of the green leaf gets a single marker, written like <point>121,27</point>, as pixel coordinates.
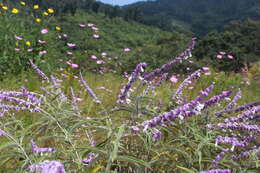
<point>186,169</point>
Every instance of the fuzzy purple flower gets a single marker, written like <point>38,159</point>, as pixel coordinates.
<point>38,71</point>
<point>249,114</point>
<point>166,67</point>
<point>89,90</point>
<point>217,171</point>
<point>239,126</point>
<point>219,157</point>
<point>215,99</point>
<point>124,92</point>
<point>48,167</point>
<point>36,149</point>
<point>186,82</point>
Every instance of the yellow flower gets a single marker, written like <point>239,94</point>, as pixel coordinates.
<point>28,43</point>
<point>45,13</point>
<point>15,11</point>
<point>22,3</point>
<point>58,28</point>
<point>38,20</point>
<point>5,8</point>
<point>36,6</point>
<point>16,43</point>
<point>50,10</point>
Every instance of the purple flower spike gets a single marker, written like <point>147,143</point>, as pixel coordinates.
<point>48,167</point>
<point>249,114</point>
<point>215,99</point>
<point>239,126</point>
<point>38,71</point>
<point>2,133</point>
<point>36,149</point>
<point>124,92</point>
<point>89,90</point>
<point>217,171</point>
<point>166,67</point>
<point>89,158</point>
<point>186,82</point>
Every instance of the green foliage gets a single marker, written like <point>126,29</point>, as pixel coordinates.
<point>240,39</point>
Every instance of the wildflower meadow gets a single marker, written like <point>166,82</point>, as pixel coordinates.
<point>64,108</point>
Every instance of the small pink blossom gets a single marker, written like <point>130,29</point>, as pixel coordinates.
<point>44,31</point>
<point>30,50</point>
<point>74,65</point>
<point>17,49</point>
<point>93,57</point>
<point>205,68</point>
<point>42,52</point>
<point>94,28</point>
<point>174,79</point>
<point>65,35</point>
<point>100,62</point>
<point>76,77</point>
<point>190,61</point>
<point>82,25</point>
<point>41,41</point>
<point>96,36</point>
<point>230,57</point>
<point>90,24</point>
<point>18,37</point>
<point>219,56</point>
<point>103,54</point>
<point>222,53</point>
<point>71,44</point>
<point>127,49</point>
<point>207,73</point>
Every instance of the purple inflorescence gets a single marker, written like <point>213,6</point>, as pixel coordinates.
<point>215,99</point>
<point>90,156</point>
<point>234,141</point>
<point>217,171</point>
<point>89,90</point>
<point>124,92</point>
<point>74,100</point>
<point>249,114</point>
<point>234,101</point>
<point>239,108</point>
<point>48,167</point>
<point>38,71</point>
<point>185,83</point>
<point>2,133</point>
<point>166,67</point>
<point>219,157</point>
<point>187,110</point>
<point>17,101</point>
<point>246,154</point>
<point>36,149</point>
<point>239,126</point>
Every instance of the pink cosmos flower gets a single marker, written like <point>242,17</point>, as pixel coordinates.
<point>205,68</point>
<point>71,44</point>
<point>76,77</point>
<point>93,57</point>
<point>82,25</point>
<point>127,49</point>
<point>74,65</point>
<point>17,49</point>
<point>41,41</point>
<point>90,24</point>
<point>65,35</point>
<point>100,62</point>
<point>44,31</point>
<point>18,37</point>
<point>222,53</point>
<point>103,54</point>
<point>42,52</point>
<point>230,57</point>
<point>94,28</point>
<point>219,56</point>
<point>207,73</point>
<point>30,50</point>
<point>96,36</point>
<point>174,79</point>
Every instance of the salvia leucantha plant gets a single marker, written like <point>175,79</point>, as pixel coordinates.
<point>154,136</point>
